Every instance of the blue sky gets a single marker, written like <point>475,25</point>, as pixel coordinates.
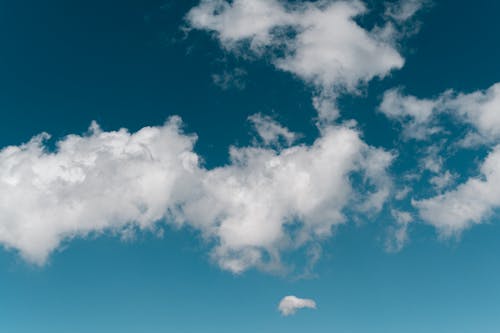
<point>343,152</point>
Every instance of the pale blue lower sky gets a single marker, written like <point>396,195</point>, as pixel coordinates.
<point>163,285</point>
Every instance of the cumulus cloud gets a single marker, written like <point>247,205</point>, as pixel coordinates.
<point>104,180</point>
<point>289,305</point>
<point>241,20</point>
<point>320,42</point>
<point>120,181</point>
<point>250,204</point>
<point>470,203</point>
<point>479,109</point>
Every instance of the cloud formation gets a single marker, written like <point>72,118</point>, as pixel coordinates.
<point>470,203</point>
<point>419,117</point>
<point>289,305</point>
<point>91,183</point>
<point>478,112</point>
<point>320,42</point>
<point>114,181</point>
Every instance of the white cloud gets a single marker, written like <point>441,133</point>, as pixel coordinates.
<point>320,42</point>
<point>250,202</point>
<point>105,180</point>
<point>479,109</point>
<point>332,50</point>
<point>416,115</point>
<point>290,304</point>
<point>241,20</point>
<point>326,107</point>
<point>470,203</point>
<point>119,181</point>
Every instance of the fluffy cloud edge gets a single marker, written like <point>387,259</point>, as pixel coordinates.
<point>120,181</point>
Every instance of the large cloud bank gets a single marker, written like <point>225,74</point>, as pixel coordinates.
<point>112,181</point>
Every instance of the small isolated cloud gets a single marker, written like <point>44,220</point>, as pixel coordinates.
<point>289,305</point>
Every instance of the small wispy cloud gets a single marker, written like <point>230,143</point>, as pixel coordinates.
<point>230,79</point>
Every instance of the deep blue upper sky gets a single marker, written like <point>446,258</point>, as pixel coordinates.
<point>129,64</point>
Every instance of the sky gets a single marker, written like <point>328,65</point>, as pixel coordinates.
<point>250,166</point>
